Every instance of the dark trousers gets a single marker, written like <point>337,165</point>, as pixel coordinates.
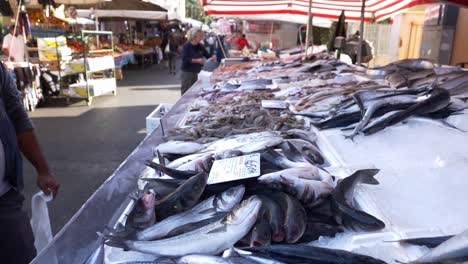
<point>16,236</point>
<point>172,61</point>
<point>188,79</point>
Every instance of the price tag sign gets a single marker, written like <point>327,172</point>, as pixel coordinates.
<point>236,168</point>
<point>275,104</point>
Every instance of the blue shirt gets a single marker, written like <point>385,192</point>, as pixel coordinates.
<point>13,121</point>
<point>190,52</point>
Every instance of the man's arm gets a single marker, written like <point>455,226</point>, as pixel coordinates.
<point>27,140</point>
<point>5,45</point>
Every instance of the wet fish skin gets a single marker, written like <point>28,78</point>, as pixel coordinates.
<point>181,161</point>
<point>183,198</point>
<point>195,225</point>
<point>230,153</point>
<point>303,134</point>
<point>309,254</point>
<point>177,174</point>
<point>221,203</point>
<point>202,163</point>
<point>343,202</point>
<point>179,147</point>
<point>260,234</point>
<point>281,161</point>
<point>201,259</point>
<point>272,213</point>
<point>315,230</point>
<point>295,216</point>
<point>210,239</point>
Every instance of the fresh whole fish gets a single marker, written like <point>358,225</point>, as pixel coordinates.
<point>309,150</point>
<point>343,202</point>
<point>457,86</point>
<point>211,239</point>
<point>271,212</point>
<point>179,147</point>
<point>221,203</point>
<point>453,250</point>
<point>235,253</point>
<point>195,225</point>
<point>309,192</point>
<point>183,198</point>
<point>437,99</point>
<point>201,259</point>
<point>310,254</point>
<point>295,216</point>
<point>237,141</point>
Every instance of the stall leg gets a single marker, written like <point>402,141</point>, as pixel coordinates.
<point>89,101</point>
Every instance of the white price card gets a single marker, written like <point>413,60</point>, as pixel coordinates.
<point>236,168</point>
<point>276,104</point>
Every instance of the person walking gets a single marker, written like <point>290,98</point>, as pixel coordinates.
<point>194,55</point>
<point>16,136</point>
<point>173,52</point>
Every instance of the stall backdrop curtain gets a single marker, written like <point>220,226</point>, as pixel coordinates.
<point>376,10</point>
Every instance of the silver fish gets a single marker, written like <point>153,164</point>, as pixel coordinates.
<point>239,141</point>
<point>179,147</point>
<point>223,202</point>
<point>211,239</point>
<point>185,159</point>
<point>201,259</point>
<point>281,161</point>
<point>203,163</point>
<point>303,134</point>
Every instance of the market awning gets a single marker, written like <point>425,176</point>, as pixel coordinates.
<point>297,10</point>
<point>136,9</point>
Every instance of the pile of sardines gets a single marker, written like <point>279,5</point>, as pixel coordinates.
<point>180,218</point>
<point>269,219</point>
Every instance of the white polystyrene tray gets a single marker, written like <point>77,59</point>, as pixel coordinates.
<point>422,179</point>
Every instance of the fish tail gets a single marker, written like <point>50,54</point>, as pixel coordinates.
<point>367,176</point>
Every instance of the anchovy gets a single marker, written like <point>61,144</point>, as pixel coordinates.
<point>183,198</point>
<point>211,239</point>
<point>343,205</point>
<point>310,254</point>
<point>221,203</point>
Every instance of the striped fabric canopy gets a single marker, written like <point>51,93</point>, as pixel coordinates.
<point>296,10</point>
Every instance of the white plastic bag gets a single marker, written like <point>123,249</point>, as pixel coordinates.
<point>40,221</point>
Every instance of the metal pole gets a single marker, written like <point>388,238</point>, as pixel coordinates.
<point>309,28</point>
<point>361,33</point>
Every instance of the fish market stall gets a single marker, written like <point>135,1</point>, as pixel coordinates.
<point>290,161</point>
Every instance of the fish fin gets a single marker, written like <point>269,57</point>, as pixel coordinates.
<point>401,262</point>
<point>219,229</point>
<point>367,176</point>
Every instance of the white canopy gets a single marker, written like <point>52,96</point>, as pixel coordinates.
<point>137,14</point>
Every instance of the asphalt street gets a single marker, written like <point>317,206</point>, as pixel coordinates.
<point>84,145</point>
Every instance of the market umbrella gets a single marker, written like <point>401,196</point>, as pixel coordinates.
<point>136,9</point>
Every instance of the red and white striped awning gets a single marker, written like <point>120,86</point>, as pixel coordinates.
<point>296,10</point>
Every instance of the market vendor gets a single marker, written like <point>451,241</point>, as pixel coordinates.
<point>17,136</point>
<point>242,42</point>
<point>194,55</point>
<point>14,46</point>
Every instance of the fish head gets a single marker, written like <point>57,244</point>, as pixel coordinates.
<point>246,212</point>
<point>148,200</point>
<point>207,162</point>
<point>225,201</point>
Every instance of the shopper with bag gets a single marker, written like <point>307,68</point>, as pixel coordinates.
<point>16,136</point>
<point>194,55</point>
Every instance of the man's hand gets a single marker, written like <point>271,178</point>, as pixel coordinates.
<point>47,183</point>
